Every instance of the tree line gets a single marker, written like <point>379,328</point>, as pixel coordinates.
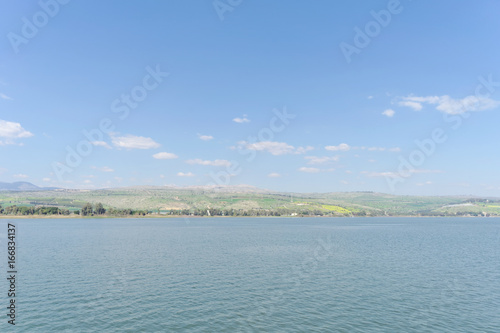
<point>31,210</point>
<point>254,212</point>
<point>98,210</point>
<point>87,210</point>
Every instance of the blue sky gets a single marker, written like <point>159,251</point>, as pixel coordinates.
<point>305,96</point>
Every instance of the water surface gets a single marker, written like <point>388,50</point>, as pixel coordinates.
<point>257,275</point>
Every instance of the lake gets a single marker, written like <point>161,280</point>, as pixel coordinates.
<point>255,275</point>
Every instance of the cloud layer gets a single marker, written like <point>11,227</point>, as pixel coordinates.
<point>241,120</point>
<point>274,148</point>
<point>207,162</point>
<point>389,113</point>
<point>205,137</point>
<point>165,156</point>
<point>450,105</point>
<point>341,147</point>
<point>185,174</point>
<point>134,142</point>
<point>10,131</point>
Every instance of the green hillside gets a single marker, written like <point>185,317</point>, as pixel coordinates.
<point>254,201</point>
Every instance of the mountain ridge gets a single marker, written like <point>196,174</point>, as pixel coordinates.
<point>23,186</point>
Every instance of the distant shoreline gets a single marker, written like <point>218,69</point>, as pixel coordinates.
<point>235,202</point>
<point>31,217</point>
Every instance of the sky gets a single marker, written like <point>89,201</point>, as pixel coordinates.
<point>398,97</point>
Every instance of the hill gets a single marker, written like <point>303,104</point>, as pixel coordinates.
<point>168,199</point>
<point>23,186</point>
<point>18,186</point>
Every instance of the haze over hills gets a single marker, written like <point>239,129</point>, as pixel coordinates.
<point>22,186</point>
<point>216,188</point>
<point>245,198</point>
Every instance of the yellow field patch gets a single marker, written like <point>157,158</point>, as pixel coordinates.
<point>336,209</point>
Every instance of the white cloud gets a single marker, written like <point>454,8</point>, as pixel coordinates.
<point>3,96</point>
<point>450,105</point>
<point>341,147</point>
<point>162,176</point>
<point>273,147</point>
<point>205,137</point>
<point>165,156</point>
<point>309,170</point>
<point>103,169</point>
<point>101,144</point>
<point>370,97</point>
<point>413,105</point>
<point>206,162</point>
<point>425,171</point>
<point>303,150</point>
<point>321,160</point>
<point>426,183</point>
<point>242,120</point>
<point>46,179</point>
<point>376,149</point>
<point>274,175</point>
<point>11,131</point>
<point>87,181</point>
<point>469,103</point>
<point>380,174</point>
<point>346,147</point>
<point>20,175</point>
<point>134,142</point>
<point>389,113</point>
<point>395,174</point>
<point>188,174</point>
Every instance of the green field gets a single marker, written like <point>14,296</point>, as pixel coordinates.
<point>165,199</point>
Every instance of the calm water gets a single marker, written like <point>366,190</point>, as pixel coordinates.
<point>256,275</point>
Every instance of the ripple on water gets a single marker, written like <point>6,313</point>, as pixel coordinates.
<point>225,275</point>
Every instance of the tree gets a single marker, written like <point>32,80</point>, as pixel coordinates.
<point>87,209</point>
<point>99,209</point>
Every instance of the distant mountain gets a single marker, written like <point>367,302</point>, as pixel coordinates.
<point>22,186</point>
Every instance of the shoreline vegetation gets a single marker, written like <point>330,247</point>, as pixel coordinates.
<point>98,211</point>
<point>166,217</point>
<point>233,201</point>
